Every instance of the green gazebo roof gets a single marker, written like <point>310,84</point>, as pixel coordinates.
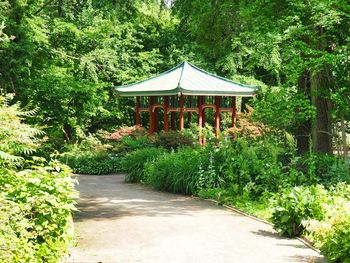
<point>186,79</point>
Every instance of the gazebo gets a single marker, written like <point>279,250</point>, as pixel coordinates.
<point>185,89</point>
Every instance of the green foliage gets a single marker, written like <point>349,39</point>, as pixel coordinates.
<point>186,170</point>
<point>243,201</point>
<point>175,172</point>
<point>256,163</point>
<point>17,138</point>
<point>131,143</point>
<point>14,234</point>
<point>296,204</point>
<point>332,235</point>
<point>43,199</point>
<point>284,109</point>
<point>36,198</point>
<point>175,139</point>
<point>134,163</point>
<point>91,156</point>
<point>66,58</point>
<point>94,163</point>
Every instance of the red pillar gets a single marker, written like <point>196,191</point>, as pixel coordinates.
<point>217,116</point>
<point>166,116</point>
<point>200,117</point>
<point>181,112</point>
<point>203,117</point>
<point>234,112</point>
<point>137,117</point>
<point>156,119</point>
<point>151,115</point>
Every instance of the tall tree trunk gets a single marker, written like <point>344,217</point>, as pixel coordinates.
<point>303,132</point>
<point>59,8</point>
<point>322,125</point>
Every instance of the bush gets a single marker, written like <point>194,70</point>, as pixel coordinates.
<point>133,132</point>
<point>133,163</point>
<point>43,200</point>
<point>94,163</point>
<point>257,163</point>
<point>14,234</point>
<point>91,156</point>
<point>176,172</point>
<point>332,234</point>
<point>296,204</point>
<point>175,139</point>
<point>36,198</point>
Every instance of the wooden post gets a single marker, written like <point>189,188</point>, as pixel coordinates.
<point>151,115</point>
<point>166,117</point>
<point>181,112</point>
<point>234,112</point>
<point>137,117</point>
<point>203,117</point>
<point>156,119</point>
<point>217,116</point>
<point>200,117</point>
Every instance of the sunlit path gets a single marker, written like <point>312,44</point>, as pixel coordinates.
<point>120,222</point>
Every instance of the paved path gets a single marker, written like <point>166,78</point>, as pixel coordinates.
<point>122,222</point>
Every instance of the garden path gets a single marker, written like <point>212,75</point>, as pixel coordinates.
<point>121,222</point>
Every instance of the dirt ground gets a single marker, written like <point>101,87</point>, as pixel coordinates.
<point>121,222</point>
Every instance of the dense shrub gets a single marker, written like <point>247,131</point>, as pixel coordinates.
<point>133,163</point>
<point>255,163</point>
<point>38,225</point>
<point>175,139</point>
<point>36,197</point>
<point>296,204</point>
<point>91,156</point>
<point>94,163</point>
<point>133,143</point>
<point>133,132</point>
<point>332,234</point>
<point>177,172</point>
<point>14,233</point>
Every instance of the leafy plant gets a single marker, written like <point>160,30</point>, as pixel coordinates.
<point>36,198</point>
<point>296,204</point>
<point>17,138</point>
<point>44,198</point>
<point>176,172</point>
<point>134,162</point>
<point>91,156</point>
<point>14,234</point>
<point>175,139</point>
<point>332,234</point>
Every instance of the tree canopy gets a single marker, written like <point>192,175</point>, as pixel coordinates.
<point>63,57</point>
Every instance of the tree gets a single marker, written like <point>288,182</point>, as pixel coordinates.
<point>289,44</point>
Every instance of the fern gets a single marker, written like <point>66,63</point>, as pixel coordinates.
<point>17,139</point>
